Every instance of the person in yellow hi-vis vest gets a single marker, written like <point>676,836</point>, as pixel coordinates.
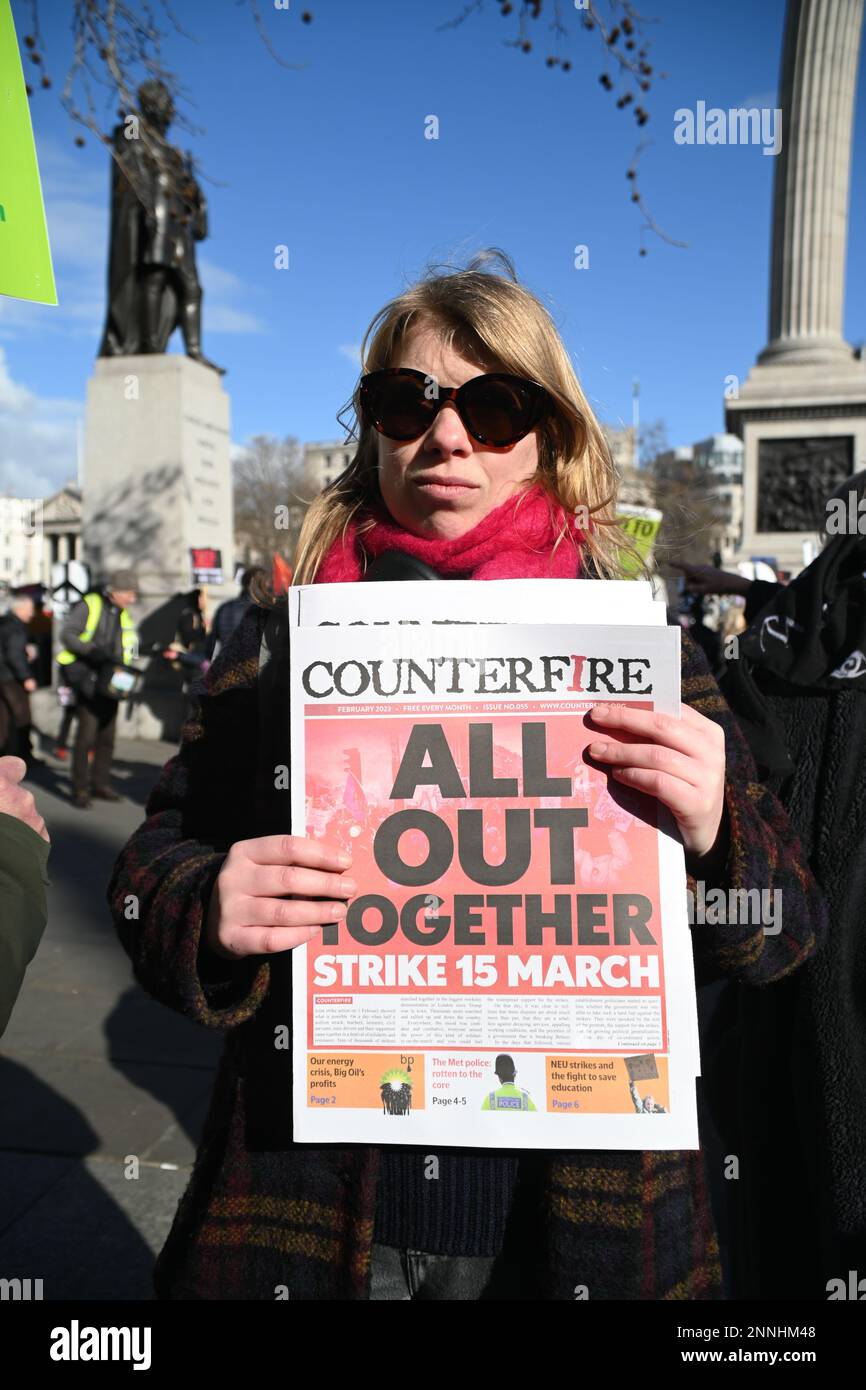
<point>97,636</point>
<point>507,1096</point>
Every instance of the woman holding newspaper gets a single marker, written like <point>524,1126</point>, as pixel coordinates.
<point>479,457</point>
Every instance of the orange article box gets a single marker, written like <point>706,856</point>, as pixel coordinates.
<point>389,1081</point>
<point>601,1086</point>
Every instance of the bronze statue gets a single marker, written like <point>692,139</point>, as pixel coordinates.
<point>158,212</point>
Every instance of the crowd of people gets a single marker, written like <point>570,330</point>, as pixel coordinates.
<point>99,665</point>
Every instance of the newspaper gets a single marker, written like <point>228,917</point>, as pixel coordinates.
<point>515,970</point>
<point>463,601</point>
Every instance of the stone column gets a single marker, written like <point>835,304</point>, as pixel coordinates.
<point>801,413</point>
<point>810,201</point>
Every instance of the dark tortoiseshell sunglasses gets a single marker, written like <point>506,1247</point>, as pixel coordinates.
<point>497,409</point>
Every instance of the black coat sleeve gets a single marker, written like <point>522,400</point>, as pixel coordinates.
<point>23,911</point>
<point>764,857</point>
<point>15,649</point>
<point>204,801</point>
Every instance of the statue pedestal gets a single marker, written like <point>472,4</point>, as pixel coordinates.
<point>803,427</point>
<point>157,482</point>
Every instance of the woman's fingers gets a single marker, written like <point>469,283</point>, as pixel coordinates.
<point>295,849</point>
<point>246,912</point>
<point>682,798</point>
<point>273,880</point>
<point>264,941</point>
<point>655,756</point>
<point>13,769</point>
<point>276,891</point>
<point>679,761</point>
<point>663,728</point>
<point>269,925</point>
<point>693,735</point>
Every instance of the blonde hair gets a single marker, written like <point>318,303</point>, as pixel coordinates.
<point>497,322</point>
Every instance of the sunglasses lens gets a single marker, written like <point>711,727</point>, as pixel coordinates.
<point>399,407</point>
<point>499,410</point>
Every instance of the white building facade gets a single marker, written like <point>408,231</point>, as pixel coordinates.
<point>20,541</point>
<point>326,459</point>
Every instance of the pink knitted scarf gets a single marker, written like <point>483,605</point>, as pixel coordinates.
<point>511,542</point>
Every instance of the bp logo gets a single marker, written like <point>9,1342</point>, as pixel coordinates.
<point>395,1089</point>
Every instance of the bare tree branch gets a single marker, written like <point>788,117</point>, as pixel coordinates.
<point>272,491</point>
<point>266,40</point>
<point>623,41</point>
<point>116,46</point>
<point>637,197</point>
<point>114,39</point>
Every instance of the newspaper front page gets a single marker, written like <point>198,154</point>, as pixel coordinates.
<point>515,969</point>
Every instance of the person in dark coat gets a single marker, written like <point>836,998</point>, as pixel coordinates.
<point>229,614</point>
<point>191,624</point>
<point>262,1213</point>
<point>16,681</point>
<point>186,651</point>
<point>797,1114</point>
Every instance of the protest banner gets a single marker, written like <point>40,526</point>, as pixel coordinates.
<point>26,271</point>
<point>519,929</point>
<point>642,1067</point>
<point>641,525</point>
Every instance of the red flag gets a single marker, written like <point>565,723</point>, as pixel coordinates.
<point>354,797</point>
<point>281,575</point>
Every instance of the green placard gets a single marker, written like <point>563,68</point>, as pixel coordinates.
<point>641,525</point>
<point>25,255</point>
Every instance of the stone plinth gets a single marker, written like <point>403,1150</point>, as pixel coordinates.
<point>157,481</point>
<point>804,431</point>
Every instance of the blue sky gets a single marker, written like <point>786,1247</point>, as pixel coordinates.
<point>330,158</point>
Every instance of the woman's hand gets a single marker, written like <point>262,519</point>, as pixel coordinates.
<point>265,896</point>
<point>679,761</point>
<point>16,800</point>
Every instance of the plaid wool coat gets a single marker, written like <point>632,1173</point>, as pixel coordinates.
<point>261,1214</point>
